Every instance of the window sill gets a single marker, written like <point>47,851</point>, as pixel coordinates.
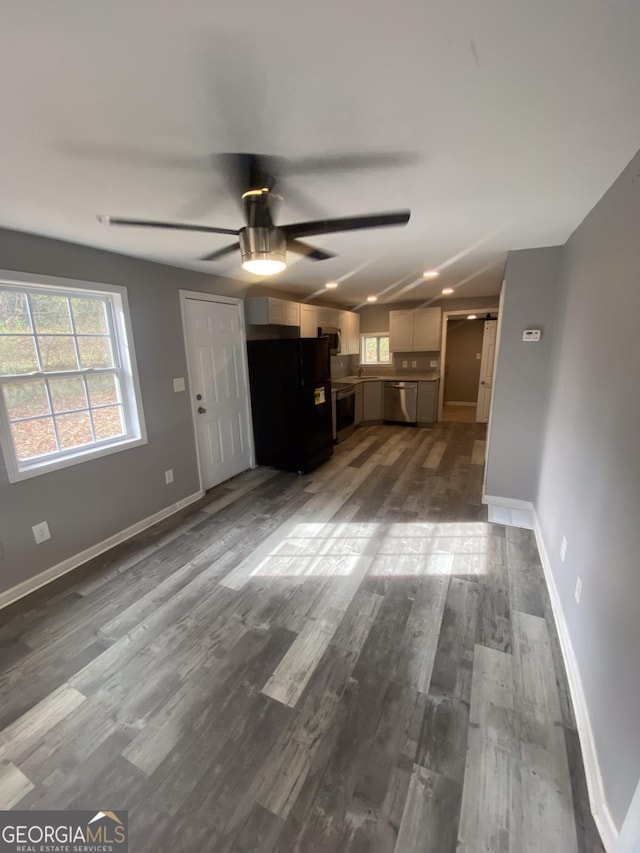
<point>46,467</point>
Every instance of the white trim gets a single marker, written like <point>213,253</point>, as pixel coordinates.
<point>459,403</point>
<point>229,300</point>
<point>597,798</point>
<point>509,511</point>
<point>121,336</point>
<point>509,503</point>
<point>20,590</point>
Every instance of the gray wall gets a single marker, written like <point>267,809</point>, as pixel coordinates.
<point>590,474</point>
<point>523,371</point>
<point>464,342</point>
<point>86,503</point>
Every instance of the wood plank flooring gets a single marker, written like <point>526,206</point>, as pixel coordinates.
<point>351,660</point>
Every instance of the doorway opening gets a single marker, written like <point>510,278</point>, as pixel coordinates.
<point>467,362</point>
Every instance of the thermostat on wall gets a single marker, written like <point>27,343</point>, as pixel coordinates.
<point>531,335</point>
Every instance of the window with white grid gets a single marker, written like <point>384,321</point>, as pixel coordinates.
<point>67,383</point>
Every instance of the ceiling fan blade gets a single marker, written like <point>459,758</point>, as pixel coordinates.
<point>176,226</point>
<point>221,252</point>
<point>347,162</point>
<point>309,251</point>
<point>348,223</point>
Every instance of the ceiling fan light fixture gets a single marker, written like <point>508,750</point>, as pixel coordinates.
<point>264,250</point>
<point>263,266</point>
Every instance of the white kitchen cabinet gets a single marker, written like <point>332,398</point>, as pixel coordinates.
<point>427,402</point>
<point>268,310</point>
<point>291,313</point>
<point>401,331</point>
<point>359,405</point>
<point>349,325</point>
<point>427,329</point>
<point>327,316</point>
<point>308,321</point>
<point>415,330</point>
<point>372,401</point>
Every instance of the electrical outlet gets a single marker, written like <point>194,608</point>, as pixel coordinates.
<point>563,548</point>
<point>405,363</point>
<point>41,532</point>
<point>433,362</point>
<point>578,592</point>
<point>414,363</point>
<point>178,384</point>
<point>168,476</point>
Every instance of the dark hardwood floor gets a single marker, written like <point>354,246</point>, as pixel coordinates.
<point>352,660</point>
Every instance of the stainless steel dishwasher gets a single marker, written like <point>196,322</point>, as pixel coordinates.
<point>401,402</point>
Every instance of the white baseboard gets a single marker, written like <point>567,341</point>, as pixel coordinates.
<point>597,798</point>
<point>509,511</point>
<point>71,563</point>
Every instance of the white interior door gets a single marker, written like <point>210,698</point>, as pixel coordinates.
<point>219,388</point>
<point>487,363</point>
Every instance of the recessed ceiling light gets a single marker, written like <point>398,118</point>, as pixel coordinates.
<point>372,298</point>
<point>472,317</point>
<point>331,284</point>
<point>430,274</point>
<point>447,291</point>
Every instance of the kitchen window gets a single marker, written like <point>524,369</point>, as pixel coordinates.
<point>374,349</point>
<point>68,386</point>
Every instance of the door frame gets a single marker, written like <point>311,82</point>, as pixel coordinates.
<point>227,300</point>
<point>458,312</point>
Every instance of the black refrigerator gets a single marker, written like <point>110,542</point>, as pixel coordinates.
<point>290,384</point>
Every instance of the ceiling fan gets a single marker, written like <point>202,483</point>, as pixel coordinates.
<point>263,244</point>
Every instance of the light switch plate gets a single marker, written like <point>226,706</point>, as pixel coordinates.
<point>433,363</point>
<point>178,384</point>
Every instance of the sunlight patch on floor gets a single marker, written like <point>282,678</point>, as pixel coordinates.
<point>298,550</point>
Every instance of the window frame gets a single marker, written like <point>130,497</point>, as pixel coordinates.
<point>121,339</point>
<point>378,335</point>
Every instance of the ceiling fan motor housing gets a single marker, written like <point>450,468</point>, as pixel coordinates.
<point>261,244</point>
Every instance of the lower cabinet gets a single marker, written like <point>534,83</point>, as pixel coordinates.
<point>372,401</point>
<point>427,402</point>
<point>359,405</point>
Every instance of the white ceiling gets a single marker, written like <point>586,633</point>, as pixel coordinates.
<point>518,115</point>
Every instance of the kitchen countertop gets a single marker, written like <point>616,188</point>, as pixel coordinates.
<point>388,377</point>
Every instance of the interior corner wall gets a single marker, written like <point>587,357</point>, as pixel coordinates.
<point>589,482</point>
<point>522,374</point>
<point>89,502</point>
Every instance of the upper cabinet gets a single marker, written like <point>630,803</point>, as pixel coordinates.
<point>308,321</point>
<point>415,330</point>
<point>349,325</point>
<point>327,316</point>
<point>268,310</point>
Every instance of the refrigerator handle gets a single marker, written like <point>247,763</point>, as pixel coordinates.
<point>300,370</point>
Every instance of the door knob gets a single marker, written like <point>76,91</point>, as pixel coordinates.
<point>201,410</point>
